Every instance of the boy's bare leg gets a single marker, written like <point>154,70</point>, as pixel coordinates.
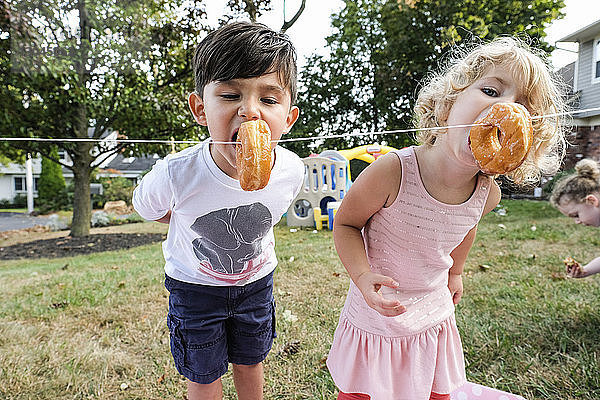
<point>211,391</point>
<point>249,381</point>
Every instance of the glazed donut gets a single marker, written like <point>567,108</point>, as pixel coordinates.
<point>253,155</point>
<point>502,143</point>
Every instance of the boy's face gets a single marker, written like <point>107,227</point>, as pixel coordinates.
<point>225,105</point>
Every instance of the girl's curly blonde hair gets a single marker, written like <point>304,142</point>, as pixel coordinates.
<point>544,92</point>
<point>576,187</point>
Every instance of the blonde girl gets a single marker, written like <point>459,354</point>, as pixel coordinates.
<point>405,227</point>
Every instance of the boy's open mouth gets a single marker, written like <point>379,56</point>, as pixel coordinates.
<point>235,136</point>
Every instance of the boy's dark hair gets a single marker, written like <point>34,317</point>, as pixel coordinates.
<point>244,50</point>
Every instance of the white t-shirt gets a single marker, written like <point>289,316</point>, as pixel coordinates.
<point>219,234</point>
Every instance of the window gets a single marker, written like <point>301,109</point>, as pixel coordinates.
<point>20,184</point>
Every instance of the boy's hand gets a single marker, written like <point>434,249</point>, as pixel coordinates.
<point>369,284</point>
<point>455,285</point>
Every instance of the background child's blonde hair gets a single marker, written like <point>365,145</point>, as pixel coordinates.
<point>577,186</point>
<point>544,93</point>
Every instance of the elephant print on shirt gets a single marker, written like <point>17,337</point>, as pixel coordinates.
<point>230,239</point>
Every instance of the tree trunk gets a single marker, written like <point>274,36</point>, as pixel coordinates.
<point>82,206</point>
<point>82,158</point>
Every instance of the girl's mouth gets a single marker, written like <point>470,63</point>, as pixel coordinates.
<point>235,136</point>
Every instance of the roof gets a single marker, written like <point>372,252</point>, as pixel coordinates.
<point>130,164</point>
<point>105,134</point>
<point>584,34</point>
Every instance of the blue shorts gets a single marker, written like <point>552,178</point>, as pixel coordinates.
<point>211,326</point>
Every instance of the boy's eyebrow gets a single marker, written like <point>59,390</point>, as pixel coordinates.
<point>276,88</point>
<point>266,87</point>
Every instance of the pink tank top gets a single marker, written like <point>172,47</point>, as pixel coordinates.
<point>411,241</point>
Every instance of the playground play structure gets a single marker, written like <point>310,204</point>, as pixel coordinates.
<point>326,181</point>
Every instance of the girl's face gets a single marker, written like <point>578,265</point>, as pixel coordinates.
<point>586,213</point>
<point>495,86</point>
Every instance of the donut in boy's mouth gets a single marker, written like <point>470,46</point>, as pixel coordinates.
<point>253,154</point>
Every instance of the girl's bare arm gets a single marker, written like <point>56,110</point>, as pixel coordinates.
<point>376,187</point>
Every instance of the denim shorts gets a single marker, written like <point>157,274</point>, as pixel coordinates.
<point>211,326</point>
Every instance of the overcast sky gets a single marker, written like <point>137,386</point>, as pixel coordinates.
<point>309,32</point>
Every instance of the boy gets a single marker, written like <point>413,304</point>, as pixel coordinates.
<point>219,253</point>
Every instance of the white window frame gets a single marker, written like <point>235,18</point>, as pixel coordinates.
<point>595,59</point>
<point>62,155</point>
<point>24,184</point>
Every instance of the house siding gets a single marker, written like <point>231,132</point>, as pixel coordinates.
<point>589,91</point>
<point>6,187</point>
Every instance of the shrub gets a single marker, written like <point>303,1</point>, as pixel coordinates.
<point>19,201</point>
<point>5,203</point>
<point>114,188</point>
<point>100,218</point>
<point>52,192</point>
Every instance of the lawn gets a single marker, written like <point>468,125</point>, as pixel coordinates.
<point>93,327</point>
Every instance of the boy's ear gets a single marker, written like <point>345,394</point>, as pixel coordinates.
<point>592,200</point>
<point>197,108</point>
<point>292,117</point>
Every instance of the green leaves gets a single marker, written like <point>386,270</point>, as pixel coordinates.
<point>380,51</point>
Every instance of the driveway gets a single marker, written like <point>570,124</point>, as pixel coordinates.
<point>11,220</point>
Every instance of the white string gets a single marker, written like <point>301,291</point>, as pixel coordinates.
<point>298,139</point>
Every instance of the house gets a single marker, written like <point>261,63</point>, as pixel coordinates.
<point>583,77</point>
<point>131,168</point>
<point>12,180</point>
<point>13,176</point>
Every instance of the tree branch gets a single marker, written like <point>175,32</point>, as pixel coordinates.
<point>287,24</point>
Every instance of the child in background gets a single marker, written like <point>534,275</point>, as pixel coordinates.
<point>578,196</point>
<point>404,229</point>
<point>219,252</point>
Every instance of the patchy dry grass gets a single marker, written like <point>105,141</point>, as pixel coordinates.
<point>93,327</point>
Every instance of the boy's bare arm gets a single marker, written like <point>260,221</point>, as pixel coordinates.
<point>166,219</point>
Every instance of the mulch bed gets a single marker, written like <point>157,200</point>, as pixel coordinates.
<point>72,246</point>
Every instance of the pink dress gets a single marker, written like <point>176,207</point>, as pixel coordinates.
<point>408,356</point>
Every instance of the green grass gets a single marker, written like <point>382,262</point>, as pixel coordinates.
<point>93,327</point>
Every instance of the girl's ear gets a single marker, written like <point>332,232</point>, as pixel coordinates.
<point>592,200</point>
<point>197,108</point>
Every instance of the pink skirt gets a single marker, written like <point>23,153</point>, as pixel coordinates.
<point>376,355</point>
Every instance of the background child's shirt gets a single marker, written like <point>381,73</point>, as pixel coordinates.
<point>218,235</point>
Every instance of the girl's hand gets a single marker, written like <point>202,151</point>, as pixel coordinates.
<point>369,284</point>
<point>455,285</point>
